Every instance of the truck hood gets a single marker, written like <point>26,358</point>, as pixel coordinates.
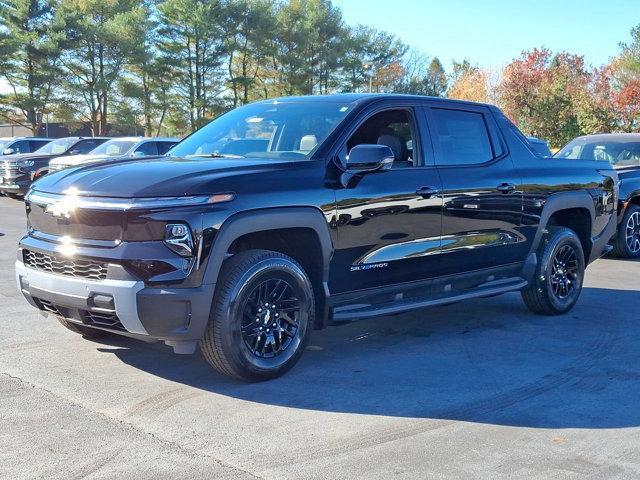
<point>152,177</point>
<point>18,157</point>
<point>76,159</point>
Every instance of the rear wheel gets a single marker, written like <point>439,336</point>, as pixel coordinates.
<point>627,240</point>
<point>557,284</point>
<point>86,332</point>
<point>261,316</point>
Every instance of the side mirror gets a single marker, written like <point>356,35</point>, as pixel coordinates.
<point>8,151</point>
<point>369,158</point>
<point>138,154</point>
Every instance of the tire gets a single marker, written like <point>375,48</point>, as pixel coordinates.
<point>627,239</point>
<point>257,290</point>
<point>86,332</point>
<point>559,274</point>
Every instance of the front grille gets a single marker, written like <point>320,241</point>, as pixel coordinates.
<point>71,268</point>
<point>10,169</point>
<point>105,320</point>
<point>49,307</point>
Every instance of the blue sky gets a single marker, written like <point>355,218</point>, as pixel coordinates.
<point>492,32</point>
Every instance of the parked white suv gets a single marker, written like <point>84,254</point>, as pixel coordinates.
<point>117,148</point>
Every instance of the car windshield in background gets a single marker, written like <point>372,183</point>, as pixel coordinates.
<point>3,143</point>
<point>58,146</point>
<point>114,148</point>
<point>621,152</point>
<point>271,130</point>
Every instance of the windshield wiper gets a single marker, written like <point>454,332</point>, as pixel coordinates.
<point>216,155</point>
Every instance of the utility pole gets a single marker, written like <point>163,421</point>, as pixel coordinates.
<point>368,67</point>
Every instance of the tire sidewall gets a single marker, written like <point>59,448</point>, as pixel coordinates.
<point>555,242</point>
<point>233,303</point>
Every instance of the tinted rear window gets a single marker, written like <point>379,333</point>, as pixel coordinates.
<point>461,137</point>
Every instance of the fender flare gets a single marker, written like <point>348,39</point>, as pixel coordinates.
<point>563,201</point>
<point>269,219</point>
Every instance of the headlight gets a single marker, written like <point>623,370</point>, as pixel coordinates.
<point>177,237</point>
<point>27,163</point>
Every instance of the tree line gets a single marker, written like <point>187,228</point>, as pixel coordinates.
<point>171,65</point>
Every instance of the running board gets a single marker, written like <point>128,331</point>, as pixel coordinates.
<point>349,313</point>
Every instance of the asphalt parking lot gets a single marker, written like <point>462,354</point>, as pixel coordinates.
<point>482,389</point>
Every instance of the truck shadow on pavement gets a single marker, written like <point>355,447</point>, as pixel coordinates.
<point>488,361</point>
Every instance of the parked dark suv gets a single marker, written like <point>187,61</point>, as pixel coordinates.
<point>291,214</point>
<point>18,171</point>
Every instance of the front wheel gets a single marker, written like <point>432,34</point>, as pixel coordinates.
<point>559,275</point>
<point>261,317</point>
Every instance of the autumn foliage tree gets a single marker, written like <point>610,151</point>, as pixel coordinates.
<point>469,83</point>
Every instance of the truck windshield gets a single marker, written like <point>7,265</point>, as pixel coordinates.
<point>114,148</point>
<point>621,152</point>
<point>58,146</point>
<point>271,130</point>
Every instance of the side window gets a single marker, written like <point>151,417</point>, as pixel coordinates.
<point>147,148</point>
<point>21,147</point>
<point>36,144</point>
<point>460,137</point>
<point>163,147</point>
<point>393,128</point>
<point>85,146</point>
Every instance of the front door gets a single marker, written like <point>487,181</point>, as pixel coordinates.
<point>389,222</point>
<point>482,194</point>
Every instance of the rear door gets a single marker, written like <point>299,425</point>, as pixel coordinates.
<point>481,191</point>
<point>389,222</point>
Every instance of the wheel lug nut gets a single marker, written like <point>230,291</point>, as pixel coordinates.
<point>266,304</point>
<point>267,330</point>
<point>277,314</point>
<point>273,325</point>
<point>260,328</point>
<point>259,310</point>
<point>273,306</point>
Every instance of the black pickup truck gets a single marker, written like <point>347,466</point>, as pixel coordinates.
<point>291,214</point>
<point>622,152</point>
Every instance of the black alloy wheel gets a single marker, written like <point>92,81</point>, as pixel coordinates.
<point>261,318</point>
<point>557,283</point>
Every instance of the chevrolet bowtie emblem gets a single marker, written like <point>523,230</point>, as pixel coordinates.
<point>59,209</point>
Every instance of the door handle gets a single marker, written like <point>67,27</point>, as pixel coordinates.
<point>427,192</point>
<point>506,187</point>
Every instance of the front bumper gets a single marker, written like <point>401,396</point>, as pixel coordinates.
<point>177,316</point>
<point>18,185</point>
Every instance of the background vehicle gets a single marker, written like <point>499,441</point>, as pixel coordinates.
<point>290,214</point>
<point>622,151</point>
<point>13,145</point>
<point>540,146</point>
<point>18,171</point>
<point>117,148</point>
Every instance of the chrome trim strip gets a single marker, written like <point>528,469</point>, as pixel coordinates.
<point>123,204</point>
<point>74,241</point>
